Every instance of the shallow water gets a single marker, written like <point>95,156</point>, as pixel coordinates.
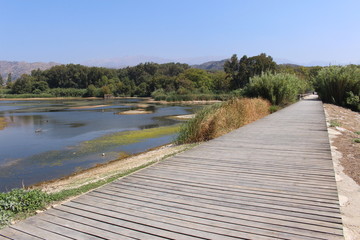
<point>43,139</point>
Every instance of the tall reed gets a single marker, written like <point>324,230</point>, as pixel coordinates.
<point>339,85</point>
<point>278,88</point>
<point>218,119</point>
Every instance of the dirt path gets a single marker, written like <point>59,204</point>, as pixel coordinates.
<point>343,125</point>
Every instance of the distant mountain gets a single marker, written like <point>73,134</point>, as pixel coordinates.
<point>211,66</point>
<point>18,68</point>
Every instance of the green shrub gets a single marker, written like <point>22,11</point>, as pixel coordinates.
<point>67,92</point>
<point>21,201</point>
<point>353,101</point>
<point>279,88</point>
<point>339,85</point>
<point>28,95</point>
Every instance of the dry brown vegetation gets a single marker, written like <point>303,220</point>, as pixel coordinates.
<point>222,118</point>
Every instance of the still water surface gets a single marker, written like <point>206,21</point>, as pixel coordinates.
<point>39,140</point>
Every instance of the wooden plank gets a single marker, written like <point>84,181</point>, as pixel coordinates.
<point>216,231</point>
<point>119,231</point>
<point>285,228</point>
<point>41,233</point>
<point>325,216</point>
<point>231,195</point>
<point>168,229</point>
<point>283,188</point>
<point>250,193</point>
<point>12,233</point>
<point>38,223</point>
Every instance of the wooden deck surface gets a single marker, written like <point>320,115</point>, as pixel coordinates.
<point>272,179</point>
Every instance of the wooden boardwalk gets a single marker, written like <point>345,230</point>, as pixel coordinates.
<point>272,179</point>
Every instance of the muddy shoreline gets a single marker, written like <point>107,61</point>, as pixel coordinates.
<point>107,170</point>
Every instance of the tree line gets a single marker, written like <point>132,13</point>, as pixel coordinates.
<point>148,78</point>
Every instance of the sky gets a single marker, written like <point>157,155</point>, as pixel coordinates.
<point>193,31</point>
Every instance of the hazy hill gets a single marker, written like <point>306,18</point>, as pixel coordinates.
<point>212,65</point>
<point>18,68</point>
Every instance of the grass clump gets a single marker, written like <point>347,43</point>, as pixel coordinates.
<point>356,140</point>
<point>278,88</point>
<point>20,202</point>
<point>221,118</point>
<point>334,123</point>
<point>339,85</point>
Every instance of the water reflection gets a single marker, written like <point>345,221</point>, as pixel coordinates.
<point>42,138</point>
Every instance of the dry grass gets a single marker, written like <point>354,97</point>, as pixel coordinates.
<point>222,118</point>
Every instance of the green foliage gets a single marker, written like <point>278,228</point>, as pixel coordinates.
<point>160,95</point>
<point>1,81</point>
<point>241,71</point>
<point>28,95</point>
<point>339,85</point>
<point>9,79</point>
<point>334,123</point>
<point>23,85</point>
<point>353,101</point>
<point>274,108</point>
<point>279,88</point>
<point>21,201</point>
<point>67,92</point>
<point>356,140</point>
<point>92,91</point>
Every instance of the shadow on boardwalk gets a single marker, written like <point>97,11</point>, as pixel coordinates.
<point>272,179</point>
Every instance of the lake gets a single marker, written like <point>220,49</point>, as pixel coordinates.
<point>49,139</point>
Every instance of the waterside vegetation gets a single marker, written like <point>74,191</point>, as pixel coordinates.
<point>218,119</point>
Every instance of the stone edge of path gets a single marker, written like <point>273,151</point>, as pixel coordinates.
<point>348,190</point>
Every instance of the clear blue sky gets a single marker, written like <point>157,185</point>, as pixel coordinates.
<point>79,30</point>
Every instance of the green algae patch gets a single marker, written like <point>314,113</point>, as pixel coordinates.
<point>105,147</point>
<point>127,137</point>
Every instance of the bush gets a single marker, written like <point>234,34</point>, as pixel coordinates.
<point>221,118</point>
<point>20,201</point>
<point>67,92</point>
<point>339,85</point>
<point>279,88</point>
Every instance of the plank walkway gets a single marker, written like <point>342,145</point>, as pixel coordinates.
<point>272,179</point>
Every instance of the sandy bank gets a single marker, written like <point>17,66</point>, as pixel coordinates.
<point>134,112</point>
<point>89,107</point>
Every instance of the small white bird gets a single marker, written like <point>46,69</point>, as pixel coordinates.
<point>103,154</point>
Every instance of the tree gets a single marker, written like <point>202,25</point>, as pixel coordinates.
<point>221,82</point>
<point>9,79</point>
<point>231,68</point>
<point>23,85</point>
<point>39,87</point>
<point>241,71</point>
<point>1,81</point>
